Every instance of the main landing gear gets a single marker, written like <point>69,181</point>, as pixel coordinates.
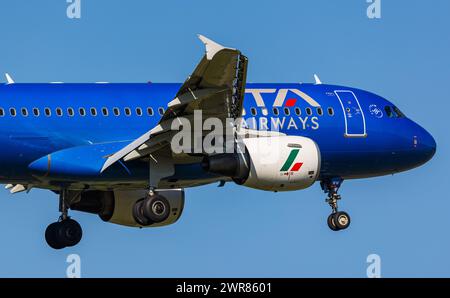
<point>337,220</point>
<point>66,232</point>
<point>152,209</point>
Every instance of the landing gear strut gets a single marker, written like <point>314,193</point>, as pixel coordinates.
<point>337,220</point>
<point>65,232</point>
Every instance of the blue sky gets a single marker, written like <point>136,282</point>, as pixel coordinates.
<point>234,231</point>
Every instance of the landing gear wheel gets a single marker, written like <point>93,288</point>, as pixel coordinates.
<point>51,236</point>
<point>69,232</point>
<point>138,213</point>
<point>341,219</point>
<point>330,222</point>
<point>63,234</point>
<point>156,208</point>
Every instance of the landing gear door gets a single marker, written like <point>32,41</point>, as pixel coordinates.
<point>355,122</point>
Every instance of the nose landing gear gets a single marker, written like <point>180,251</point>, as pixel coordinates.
<point>66,232</point>
<point>337,220</point>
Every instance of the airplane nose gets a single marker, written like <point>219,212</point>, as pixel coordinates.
<point>425,144</point>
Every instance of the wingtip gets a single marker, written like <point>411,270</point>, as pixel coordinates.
<point>201,37</point>
<point>317,79</point>
<point>9,80</point>
<point>204,39</point>
<point>211,46</point>
<point>18,188</point>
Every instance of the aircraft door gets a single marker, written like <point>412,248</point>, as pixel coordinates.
<point>355,123</point>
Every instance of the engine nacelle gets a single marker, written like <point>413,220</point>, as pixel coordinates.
<point>117,206</point>
<point>282,163</point>
<point>278,163</point>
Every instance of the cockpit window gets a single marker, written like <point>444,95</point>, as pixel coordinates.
<point>398,112</point>
<point>393,111</point>
<point>388,110</point>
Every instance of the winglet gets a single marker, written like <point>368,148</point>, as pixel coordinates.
<point>212,47</point>
<point>9,79</point>
<point>316,77</point>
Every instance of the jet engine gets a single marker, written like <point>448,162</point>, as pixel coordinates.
<point>117,206</point>
<point>278,163</point>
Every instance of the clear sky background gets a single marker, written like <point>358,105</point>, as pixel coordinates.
<point>235,231</point>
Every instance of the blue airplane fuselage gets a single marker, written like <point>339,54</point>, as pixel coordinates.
<point>359,134</point>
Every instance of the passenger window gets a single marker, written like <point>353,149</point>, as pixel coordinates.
<point>330,111</point>
<point>2,112</point>
<point>287,111</point>
<point>139,111</point>
<point>59,112</point>
<point>308,111</point>
<point>70,112</point>
<point>127,111</point>
<point>389,111</point>
<point>275,111</point>
<point>298,112</point>
<point>36,112</point>
<point>253,111</point>
<point>116,111</point>
<point>319,111</point>
<point>149,111</point>
<point>105,111</point>
<point>47,112</point>
<point>161,111</point>
<point>82,112</point>
<point>93,112</point>
<point>12,112</point>
<point>24,112</point>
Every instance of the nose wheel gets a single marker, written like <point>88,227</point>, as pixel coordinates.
<point>337,220</point>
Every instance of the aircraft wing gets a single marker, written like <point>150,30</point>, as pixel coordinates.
<point>217,87</point>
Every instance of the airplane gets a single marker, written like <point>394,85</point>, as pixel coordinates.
<point>108,149</point>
